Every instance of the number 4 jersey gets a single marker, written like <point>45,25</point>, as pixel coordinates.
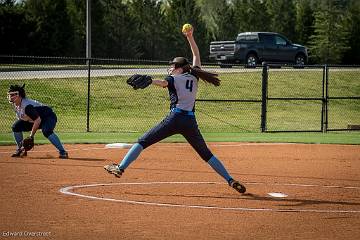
<point>182,90</point>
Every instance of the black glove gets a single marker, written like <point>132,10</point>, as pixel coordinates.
<point>28,143</point>
<point>139,81</point>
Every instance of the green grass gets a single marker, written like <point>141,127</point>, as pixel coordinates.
<point>117,109</point>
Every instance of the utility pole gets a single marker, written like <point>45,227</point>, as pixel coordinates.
<point>88,29</point>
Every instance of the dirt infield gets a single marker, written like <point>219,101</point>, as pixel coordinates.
<point>169,193</point>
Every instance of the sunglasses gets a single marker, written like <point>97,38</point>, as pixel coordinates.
<point>12,94</point>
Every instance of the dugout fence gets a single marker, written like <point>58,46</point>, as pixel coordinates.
<point>92,95</point>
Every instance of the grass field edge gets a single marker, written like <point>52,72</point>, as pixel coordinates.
<point>310,138</point>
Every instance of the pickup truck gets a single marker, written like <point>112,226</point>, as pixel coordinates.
<point>253,48</point>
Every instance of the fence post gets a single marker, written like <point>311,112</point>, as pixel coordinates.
<point>323,100</point>
<point>326,98</point>
<point>88,97</point>
<point>264,96</point>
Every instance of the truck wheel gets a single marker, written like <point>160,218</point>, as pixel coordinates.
<point>251,60</point>
<point>300,60</point>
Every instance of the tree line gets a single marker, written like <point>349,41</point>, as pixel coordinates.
<point>150,29</point>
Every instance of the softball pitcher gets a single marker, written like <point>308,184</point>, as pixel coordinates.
<point>182,84</point>
<point>32,115</point>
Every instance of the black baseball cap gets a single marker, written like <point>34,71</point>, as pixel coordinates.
<point>179,62</point>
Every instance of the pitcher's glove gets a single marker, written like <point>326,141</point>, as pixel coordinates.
<point>28,143</point>
<point>139,81</point>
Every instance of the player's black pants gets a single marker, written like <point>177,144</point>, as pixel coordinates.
<point>47,125</point>
<point>178,123</point>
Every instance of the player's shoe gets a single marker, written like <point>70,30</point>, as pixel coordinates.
<point>114,169</point>
<point>237,186</point>
<point>64,155</point>
<point>19,153</point>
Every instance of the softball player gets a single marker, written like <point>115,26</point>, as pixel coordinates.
<point>31,116</point>
<point>182,84</point>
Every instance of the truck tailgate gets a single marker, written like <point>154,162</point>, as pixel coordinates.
<point>222,47</point>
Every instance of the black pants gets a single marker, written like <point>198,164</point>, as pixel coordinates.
<point>178,123</point>
<point>47,125</point>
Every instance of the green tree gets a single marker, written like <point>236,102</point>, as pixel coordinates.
<point>99,38</point>
<point>208,15</point>
<point>77,16</point>
<point>225,18</point>
<point>241,15</point>
<point>53,35</point>
<point>178,12</point>
<point>282,17</point>
<point>218,16</point>
<point>304,21</point>
<point>148,20</point>
<point>120,28</point>
<point>352,55</point>
<point>330,39</point>
<point>14,30</point>
<point>251,16</point>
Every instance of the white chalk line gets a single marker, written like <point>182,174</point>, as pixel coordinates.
<point>307,185</point>
<point>68,191</point>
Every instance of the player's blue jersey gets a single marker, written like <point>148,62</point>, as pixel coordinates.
<point>182,90</point>
<point>29,110</point>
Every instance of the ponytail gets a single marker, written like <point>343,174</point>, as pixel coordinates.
<point>205,76</point>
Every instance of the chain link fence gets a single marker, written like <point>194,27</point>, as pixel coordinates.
<point>343,95</point>
<point>313,99</point>
<point>93,96</point>
<point>295,99</point>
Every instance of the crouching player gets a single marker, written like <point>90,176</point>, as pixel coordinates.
<point>32,115</point>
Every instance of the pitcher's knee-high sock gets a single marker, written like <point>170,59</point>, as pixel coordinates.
<point>18,136</point>
<point>132,154</point>
<point>54,139</point>
<point>219,168</point>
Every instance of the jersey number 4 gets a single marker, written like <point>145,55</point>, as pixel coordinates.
<point>189,85</point>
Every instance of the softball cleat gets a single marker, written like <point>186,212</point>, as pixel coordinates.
<point>64,155</point>
<point>237,186</point>
<point>114,169</point>
<point>19,153</point>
